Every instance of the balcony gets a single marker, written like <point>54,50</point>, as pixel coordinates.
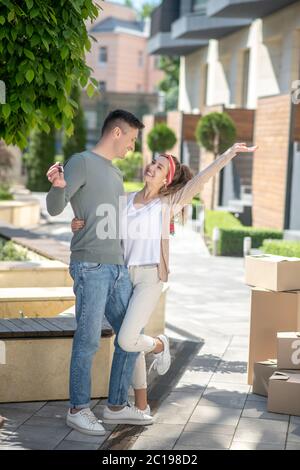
<point>161,41</point>
<point>163,16</point>
<point>201,27</point>
<point>245,8</point>
<point>164,44</point>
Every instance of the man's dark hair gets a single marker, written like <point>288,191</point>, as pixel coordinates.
<point>115,119</point>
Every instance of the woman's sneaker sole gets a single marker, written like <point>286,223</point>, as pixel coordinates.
<point>128,421</point>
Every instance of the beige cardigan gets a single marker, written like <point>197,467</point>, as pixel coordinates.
<point>173,204</point>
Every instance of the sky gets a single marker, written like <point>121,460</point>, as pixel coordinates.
<point>137,3</point>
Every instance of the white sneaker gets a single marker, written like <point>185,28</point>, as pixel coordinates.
<point>86,422</point>
<point>128,415</point>
<point>162,360</point>
<point>147,410</point>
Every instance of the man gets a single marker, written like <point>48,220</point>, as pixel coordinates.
<point>101,282</point>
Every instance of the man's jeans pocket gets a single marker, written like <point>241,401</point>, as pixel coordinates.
<point>86,266</point>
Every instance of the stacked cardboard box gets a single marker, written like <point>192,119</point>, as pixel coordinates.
<point>275,308</point>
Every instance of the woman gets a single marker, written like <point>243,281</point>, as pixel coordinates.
<point>169,186</point>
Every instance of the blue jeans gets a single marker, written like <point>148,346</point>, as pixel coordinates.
<point>100,289</point>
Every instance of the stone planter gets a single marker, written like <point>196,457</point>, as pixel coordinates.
<point>20,213</point>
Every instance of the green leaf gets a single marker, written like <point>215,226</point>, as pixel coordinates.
<point>2,20</point>
<point>45,44</point>
<point>29,75</point>
<point>19,78</point>
<point>70,130</point>
<point>6,110</point>
<point>29,4</point>
<point>29,30</point>
<point>29,54</point>
<point>45,127</point>
<point>90,90</point>
<point>64,52</point>
<point>51,77</point>
<point>35,12</point>
<point>34,40</point>
<point>26,106</point>
<point>83,81</point>
<point>11,15</point>
<point>68,111</point>
<point>95,82</point>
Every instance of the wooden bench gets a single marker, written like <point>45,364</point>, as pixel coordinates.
<point>35,359</point>
<point>16,302</point>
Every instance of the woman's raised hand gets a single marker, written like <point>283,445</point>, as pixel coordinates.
<point>77,224</point>
<point>242,148</point>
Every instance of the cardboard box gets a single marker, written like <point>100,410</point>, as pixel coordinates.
<point>262,371</point>
<point>271,312</point>
<point>276,273</point>
<point>284,393</point>
<point>288,350</point>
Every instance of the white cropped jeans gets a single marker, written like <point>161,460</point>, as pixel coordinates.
<point>147,288</point>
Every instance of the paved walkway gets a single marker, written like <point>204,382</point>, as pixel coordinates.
<point>211,406</point>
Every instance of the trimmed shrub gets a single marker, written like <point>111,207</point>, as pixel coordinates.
<point>220,219</point>
<point>9,252</point>
<point>231,240</point>
<point>161,138</point>
<point>5,194</point>
<point>281,248</point>
<point>131,166</point>
<point>212,125</point>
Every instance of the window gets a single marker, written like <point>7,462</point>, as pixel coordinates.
<point>245,84</point>
<point>199,6</point>
<point>141,59</point>
<point>91,119</point>
<point>103,55</point>
<point>102,86</point>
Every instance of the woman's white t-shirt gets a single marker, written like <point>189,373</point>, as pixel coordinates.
<point>141,232</point>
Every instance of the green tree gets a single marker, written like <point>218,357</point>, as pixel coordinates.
<point>161,138</point>
<point>131,166</point>
<point>76,142</point>
<point>39,158</point>
<point>170,83</point>
<point>216,132</point>
<point>42,52</point>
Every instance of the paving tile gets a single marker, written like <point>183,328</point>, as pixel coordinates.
<point>210,428</point>
<point>216,415</point>
<point>25,407</point>
<point>238,445</point>
<point>154,443</point>
<point>225,394</point>
<point>253,397</point>
<point>258,409</point>
<point>74,445</point>
<point>159,429</point>
<point>37,437</point>
<point>205,440</point>
<point>292,446</point>
<point>264,431</point>
<point>14,417</point>
<point>77,436</point>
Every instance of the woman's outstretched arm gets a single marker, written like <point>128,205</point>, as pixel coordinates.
<point>195,185</point>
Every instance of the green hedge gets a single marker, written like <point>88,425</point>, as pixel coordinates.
<point>220,219</point>
<point>231,240</point>
<point>5,194</point>
<point>281,248</point>
<point>9,252</point>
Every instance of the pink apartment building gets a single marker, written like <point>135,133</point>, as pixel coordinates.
<point>119,58</point>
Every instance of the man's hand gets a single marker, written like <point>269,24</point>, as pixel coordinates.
<point>242,148</point>
<point>55,175</point>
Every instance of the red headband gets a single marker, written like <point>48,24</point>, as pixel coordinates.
<point>172,168</point>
